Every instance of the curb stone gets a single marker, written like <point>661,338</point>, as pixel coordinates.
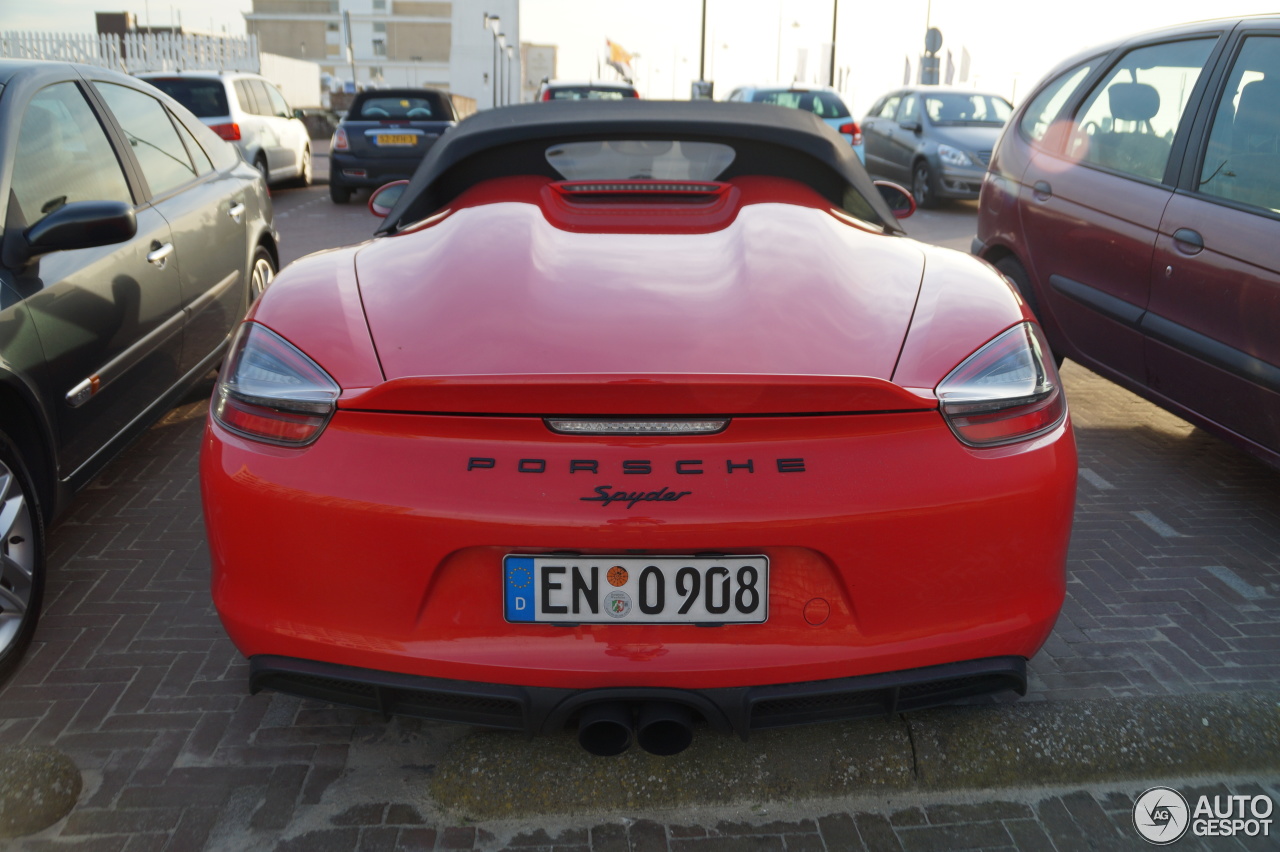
<point>494,776</point>
<point>38,787</point>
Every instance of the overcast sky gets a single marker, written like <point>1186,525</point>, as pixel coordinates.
<point>1011,42</point>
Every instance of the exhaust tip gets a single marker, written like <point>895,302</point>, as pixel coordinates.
<point>664,728</point>
<point>605,729</point>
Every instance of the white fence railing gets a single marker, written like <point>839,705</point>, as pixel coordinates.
<point>136,52</point>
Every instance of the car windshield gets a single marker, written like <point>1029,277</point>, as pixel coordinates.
<point>822,104</point>
<point>420,107</point>
<point>587,93</point>
<point>967,109</point>
<point>205,98</point>
<point>640,160</point>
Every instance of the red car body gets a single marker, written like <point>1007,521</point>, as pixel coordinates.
<point>367,566</point>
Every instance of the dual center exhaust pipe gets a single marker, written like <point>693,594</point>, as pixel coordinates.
<point>663,728</point>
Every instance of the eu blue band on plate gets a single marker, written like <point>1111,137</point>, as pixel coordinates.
<point>518,582</point>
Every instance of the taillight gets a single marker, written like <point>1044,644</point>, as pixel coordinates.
<point>340,140</point>
<point>1007,391</point>
<point>269,391</point>
<point>546,96</point>
<point>853,130</point>
<point>229,132</point>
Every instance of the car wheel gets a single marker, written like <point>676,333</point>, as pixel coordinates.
<point>1017,273</point>
<point>261,165</point>
<point>305,175</point>
<point>338,193</point>
<point>21,558</point>
<point>922,186</point>
<point>264,272</point>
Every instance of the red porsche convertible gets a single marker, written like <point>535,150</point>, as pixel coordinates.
<point>639,416</point>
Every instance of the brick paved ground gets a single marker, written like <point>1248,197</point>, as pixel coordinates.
<point>1174,587</point>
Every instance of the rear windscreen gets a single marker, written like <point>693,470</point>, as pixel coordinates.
<point>586,93</point>
<point>821,104</point>
<point>205,98</point>
<point>640,160</point>
<point>412,107</point>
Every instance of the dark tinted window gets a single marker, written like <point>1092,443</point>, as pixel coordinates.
<point>259,90</point>
<point>414,108</point>
<point>151,133</point>
<point>954,108</point>
<point>823,104</point>
<point>63,155</point>
<point>1242,162</point>
<point>587,93</point>
<point>205,98</point>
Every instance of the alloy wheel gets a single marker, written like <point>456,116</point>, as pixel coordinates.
<point>18,557</point>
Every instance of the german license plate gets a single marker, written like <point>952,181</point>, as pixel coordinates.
<point>397,139</point>
<point>636,589</point>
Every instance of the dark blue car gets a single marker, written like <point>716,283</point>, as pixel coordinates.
<point>384,136</point>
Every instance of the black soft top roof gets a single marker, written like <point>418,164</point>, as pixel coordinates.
<point>769,140</point>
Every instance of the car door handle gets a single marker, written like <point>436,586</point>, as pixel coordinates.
<point>236,211</point>
<point>159,255</point>
<point>1188,241</point>
<point>1042,190</point>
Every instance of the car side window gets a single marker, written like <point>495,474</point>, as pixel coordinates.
<point>1127,124</point>
<point>1044,107</point>
<point>64,155</point>
<point>278,105</point>
<point>245,96</point>
<point>1242,160</point>
<point>910,109</point>
<point>260,95</point>
<point>155,142</point>
<point>889,106</point>
<point>203,164</point>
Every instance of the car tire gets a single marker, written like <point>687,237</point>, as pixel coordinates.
<point>1017,273</point>
<point>338,193</point>
<point>922,187</point>
<point>262,273</point>
<point>22,558</point>
<point>261,165</point>
<point>305,173</point>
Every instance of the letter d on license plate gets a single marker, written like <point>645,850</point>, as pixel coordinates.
<point>636,589</point>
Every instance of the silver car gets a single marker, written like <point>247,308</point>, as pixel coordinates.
<point>249,110</point>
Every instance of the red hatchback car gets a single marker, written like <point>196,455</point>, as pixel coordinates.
<point>1135,201</point>
<point>635,414</point>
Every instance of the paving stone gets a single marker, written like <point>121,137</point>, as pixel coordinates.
<point>946,838</point>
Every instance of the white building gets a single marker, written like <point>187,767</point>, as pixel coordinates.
<point>400,43</point>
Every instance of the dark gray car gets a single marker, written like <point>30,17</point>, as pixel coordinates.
<point>133,242</point>
<point>936,140</point>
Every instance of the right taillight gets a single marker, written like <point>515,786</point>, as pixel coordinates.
<point>268,390</point>
<point>1007,391</point>
<point>854,131</point>
<point>229,132</point>
<point>340,140</point>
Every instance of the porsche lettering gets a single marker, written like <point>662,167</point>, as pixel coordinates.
<point>684,467</point>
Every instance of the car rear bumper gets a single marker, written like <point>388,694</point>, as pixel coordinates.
<point>896,547</point>
<point>542,710</point>
<point>348,170</point>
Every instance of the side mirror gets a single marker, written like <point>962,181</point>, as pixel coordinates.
<point>900,201</point>
<point>82,224</point>
<point>300,115</point>
<point>386,197</point>
<point>913,126</point>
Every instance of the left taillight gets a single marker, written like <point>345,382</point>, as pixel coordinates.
<point>340,142</point>
<point>229,132</point>
<point>1005,392</point>
<point>269,391</point>
<point>854,131</point>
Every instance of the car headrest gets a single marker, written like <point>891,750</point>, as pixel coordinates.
<point>1258,114</point>
<point>1133,101</point>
